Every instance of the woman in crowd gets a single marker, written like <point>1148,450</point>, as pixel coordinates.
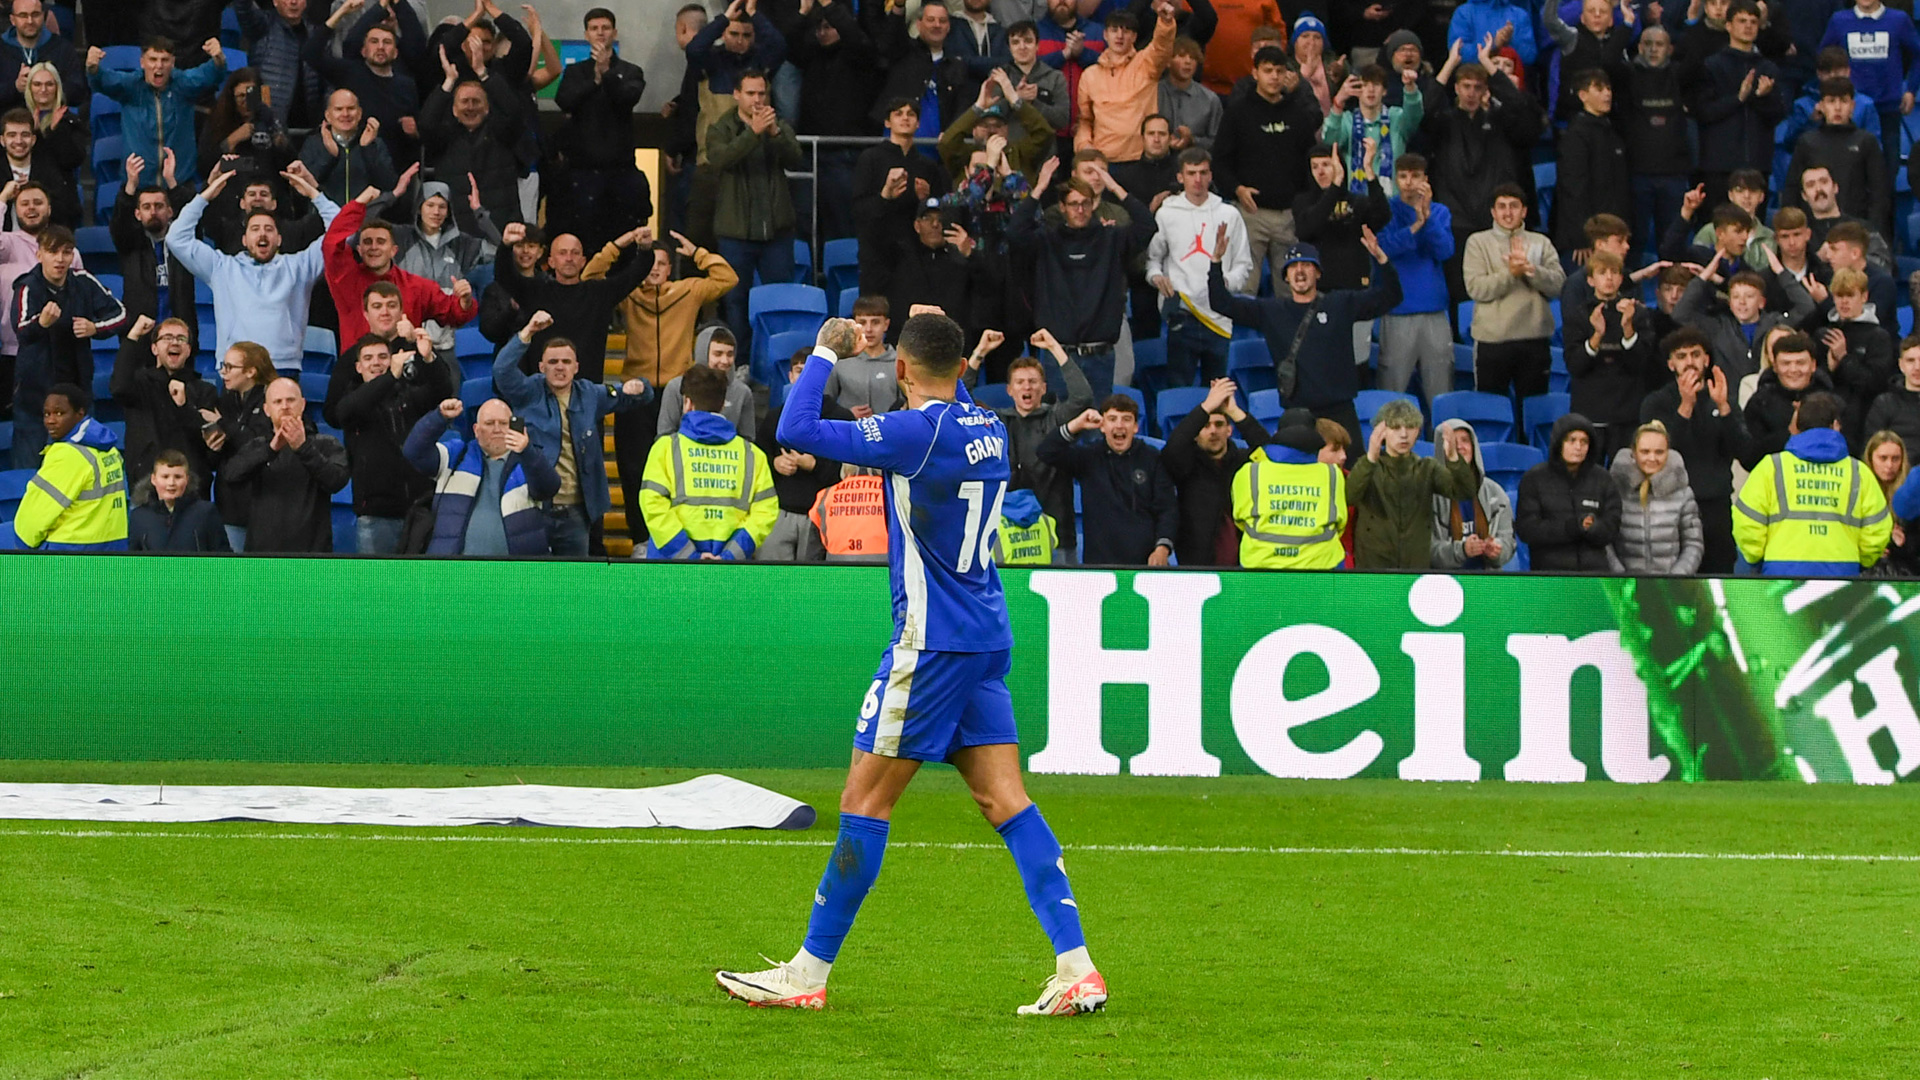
<point>1887,456</point>
<point>242,125</point>
<point>1659,520</point>
<point>245,370</point>
<point>58,126</point>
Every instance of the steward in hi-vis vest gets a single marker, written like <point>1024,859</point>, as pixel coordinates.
<point>707,492</point>
<point>1291,507</point>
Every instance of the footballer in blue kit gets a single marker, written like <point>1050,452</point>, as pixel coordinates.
<point>940,693</point>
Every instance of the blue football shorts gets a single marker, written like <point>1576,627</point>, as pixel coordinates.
<point>925,705</point>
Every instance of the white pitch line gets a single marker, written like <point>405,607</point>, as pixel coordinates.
<point>1118,849</point>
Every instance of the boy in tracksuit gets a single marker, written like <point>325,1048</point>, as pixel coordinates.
<point>56,310</point>
<point>1418,333</point>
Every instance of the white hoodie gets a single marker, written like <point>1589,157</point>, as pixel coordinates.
<point>1181,250</point>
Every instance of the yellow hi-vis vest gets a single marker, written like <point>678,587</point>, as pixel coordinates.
<point>1290,516</point>
<point>697,496</point>
<point>79,498</point>
<point>1810,517</point>
<point>1026,545</point>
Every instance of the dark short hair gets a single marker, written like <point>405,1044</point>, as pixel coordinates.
<point>1024,26</point>
<point>1604,226</point>
<point>1793,343</point>
<point>1120,403</point>
<point>1832,58</point>
<point>16,116</point>
<point>894,105</point>
<point>261,212</point>
<point>1271,55</point>
<point>1848,232</point>
<point>172,459</point>
<point>1024,363</point>
<point>1322,150</point>
<point>1743,7</point>
<point>1840,87</point>
<point>158,43</point>
<point>1410,162</point>
<point>381,288</point>
<point>558,342</point>
<point>1122,20</point>
<point>599,13</point>
<point>1375,74</point>
<point>380,224</point>
<point>1193,155</point>
<point>1508,191</point>
<point>1471,73</point>
<point>1686,337</point>
<point>370,341</point>
<point>1729,216</point>
<point>934,343</point>
<point>752,73</point>
<point>1819,410</point>
<point>145,190</point>
<point>77,396</point>
<point>1586,78</point>
<point>689,9</point>
<point>1150,118</point>
<point>1746,180</point>
<point>705,387</point>
<point>1911,341</point>
<point>871,304</point>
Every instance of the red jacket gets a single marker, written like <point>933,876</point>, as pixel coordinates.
<point>347,280</point>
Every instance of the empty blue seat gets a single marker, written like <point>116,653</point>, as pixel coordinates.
<point>1463,361</point>
<point>13,488</point>
<point>127,58</point>
<point>780,350</point>
<point>1538,414</point>
<point>346,530</point>
<point>110,163</point>
<point>475,393</point>
<point>1506,463</point>
<point>313,386</point>
<point>992,396</point>
<point>1265,406</point>
<point>1558,378</point>
<point>1250,364</point>
<point>1490,414</point>
<point>774,308</point>
<point>847,297</point>
<point>93,240</point>
<point>1176,402</point>
<point>1463,322</point>
<point>114,283</point>
<point>840,265</point>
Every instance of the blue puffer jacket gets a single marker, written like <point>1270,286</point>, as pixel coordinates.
<point>535,403</point>
<point>458,469</point>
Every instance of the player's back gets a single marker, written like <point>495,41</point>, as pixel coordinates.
<point>941,519</point>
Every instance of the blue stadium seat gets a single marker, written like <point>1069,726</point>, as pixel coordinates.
<point>992,396</point>
<point>13,488</point>
<point>1490,414</point>
<point>1176,402</point>
<point>840,265</point>
<point>802,266</point>
<point>1463,362</point>
<point>1157,444</point>
<point>475,393</point>
<point>1250,365</point>
<point>1557,377</point>
<point>1553,305</point>
<point>6,434</point>
<point>127,58</point>
<point>1463,321</point>
<point>236,58</point>
<point>202,292</point>
<point>1265,406</point>
<point>1538,414</point>
<point>1421,448</point>
<point>1506,463</point>
<point>346,531</point>
<point>102,377</point>
<point>114,283</point>
<point>110,163</point>
<point>93,240</point>
<point>319,350</point>
<point>119,429</point>
<point>774,308</point>
<point>313,386</point>
<point>473,352</point>
<point>781,347</point>
<point>103,116</point>
<point>1913,225</point>
<point>1368,402</point>
<point>847,297</point>
<point>1150,354</point>
<point>1906,321</point>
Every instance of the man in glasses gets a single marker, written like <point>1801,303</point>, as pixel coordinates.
<point>156,385</point>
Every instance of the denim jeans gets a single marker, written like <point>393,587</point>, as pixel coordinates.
<point>237,537</point>
<point>566,529</point>
<point>1190,343</point>
<point>773,258</point>
<point>1098,368</point>
<point>1656,202</point>
<point>377,535</point>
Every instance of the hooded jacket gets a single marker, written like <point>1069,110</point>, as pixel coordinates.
<point>1812,510</point>
<point>77,501</point>
<point>1207,536</point>
<point>1180,249</point>
<point>141,104</point>
<point>661,319</point>
<point>1659,520</point>
<point>1116,95</point>
<point>1080,275</point>
<point>291,491</point>
<point>1869,367</point>
<point>1607,383</point>
<point>1554,502</point>
<point>1393,499</point>
<point>868,381</point>
<point>1769,412</point>
<point>52,354</point>
<point>1488,515</point>
<point>751,510</point>
<point>1855,160</point>
<point>192,525</point>
<point>1032,539</point>
<point>1331,218</point>
<point>1128,502</point>
<point>154,422</point>
<point>1594,178</point>
<point>1263,144</point>
<point>739,409</point>
<point>452,253</point>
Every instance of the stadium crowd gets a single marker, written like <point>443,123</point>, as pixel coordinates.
<point>1608,287</point>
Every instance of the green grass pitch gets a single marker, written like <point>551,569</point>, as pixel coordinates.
<point>238,950</point>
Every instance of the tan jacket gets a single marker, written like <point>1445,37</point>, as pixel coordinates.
<point>1117,96</point>
<point>1508,308</point>
<point>661,320</point>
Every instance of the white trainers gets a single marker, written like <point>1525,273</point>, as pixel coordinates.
<point>779,987</point>
<point>1069,997</point>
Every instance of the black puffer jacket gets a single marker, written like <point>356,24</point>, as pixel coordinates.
<point>1554,503</point>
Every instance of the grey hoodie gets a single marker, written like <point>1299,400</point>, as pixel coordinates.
<point>739,409</point>
<point>867,380</point>
<point>1451,554</point>
<point>1664,536</point>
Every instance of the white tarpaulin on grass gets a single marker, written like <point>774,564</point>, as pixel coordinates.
<point>704,802</point>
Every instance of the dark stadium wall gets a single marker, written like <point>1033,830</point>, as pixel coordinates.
<point>1330,675</point>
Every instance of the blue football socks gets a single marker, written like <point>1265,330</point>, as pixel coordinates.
<point>1037,854</point>
<point>850,874</point>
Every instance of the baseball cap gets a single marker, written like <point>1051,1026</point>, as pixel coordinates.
<point>930,206</point>
<point>1301,253</point>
